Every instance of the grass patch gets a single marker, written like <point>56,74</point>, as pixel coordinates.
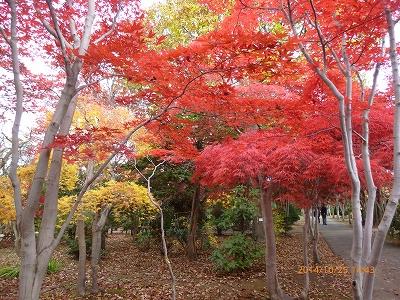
<point>9,272</point>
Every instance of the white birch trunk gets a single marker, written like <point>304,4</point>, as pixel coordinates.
<point>369,216</point>
<point>395,193</point>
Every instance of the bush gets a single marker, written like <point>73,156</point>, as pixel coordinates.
<point>237,213</point>
<point>209,240</point>
<point>143,239</point>
<point>9,272</point>
<point>178,230</point>
<point>236,253</point>
<point>279,221</point>
<point>283,219</point>
<point>13,271</point>
<point>54,266</point>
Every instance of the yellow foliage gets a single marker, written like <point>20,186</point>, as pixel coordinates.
<point>7,209</point>
<point>122,196</point>
<point>224,199</point>
<point>69,178</point>
<point>96,115</point>
<point>181,21</point>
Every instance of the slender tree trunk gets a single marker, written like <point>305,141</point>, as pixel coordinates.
<point>315,239</point>
<point>342,208</point>
<point>95,255</point>
<point>369,216</point>
<point>194,220</point>
<point>350,216</point>
<point>97,226</point>
<point>310,225</point>
<point>274,288</point>
<point>80,229</point>
<point>337,209</point>
<point>391,206</point>
<point>306,287</point>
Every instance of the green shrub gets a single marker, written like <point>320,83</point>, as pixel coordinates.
<point>238,214</point>
<point>53,266</point>
<point>178,230</point>
<point>284,218</point>
<point>279,221</point>
<point>13,271</point>
<point>9,272</point>
<point>294,215</point>
<point>236,253</point>
<point>208,238</point>
<point>143,239</point>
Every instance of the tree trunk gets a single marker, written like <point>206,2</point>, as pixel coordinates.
<point>370,205</point>
<point>97,226</point>
<point>315,252</point>
<point>39,251</point>
<point>194,220</point>
<point>391,206</point>
<point>306,287</point>
<point>274,289</point>
<point>17,238</point>
<point>342,208</point>
<point>80,233</point>
<point>337,209</point>
<point>350,216</point>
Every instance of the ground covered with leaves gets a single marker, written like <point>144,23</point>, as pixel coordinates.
<point>129,273</point>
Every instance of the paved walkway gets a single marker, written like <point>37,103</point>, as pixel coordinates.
<point>338,235</point>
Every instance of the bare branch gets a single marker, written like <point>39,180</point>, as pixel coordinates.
<point>289,17</point>
<point>360,136</point>
<point>337,59</point>
<point>19,92</point>
<point>112,29</point>
<point>51,30</point>
<point>60,36</point>
<point>361,83</point>
<point>158,206</point>
<point>320,35</point>
<point>4,35</point>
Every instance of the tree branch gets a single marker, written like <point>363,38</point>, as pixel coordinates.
<point>112,29</point>
<point>87,28</point>
<point>59,34</point>
<point>4,35</point>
